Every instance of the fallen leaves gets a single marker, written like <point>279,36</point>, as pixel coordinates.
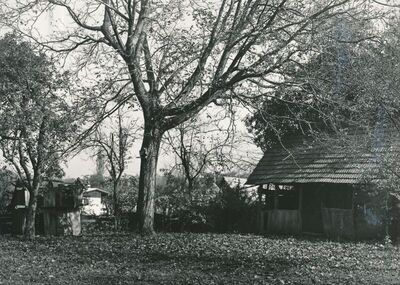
<point>194,259</point>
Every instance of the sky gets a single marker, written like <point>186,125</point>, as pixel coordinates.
<point>84,163</point>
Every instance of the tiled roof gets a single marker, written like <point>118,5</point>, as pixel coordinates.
<point>308,163</point>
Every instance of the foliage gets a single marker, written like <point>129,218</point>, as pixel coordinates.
<point>380,194</point>
<point>213,207</point>
<point>6,189</point>
<point>33,112</point>
<point>234,210</point>
<point>172,196</point>
<point>195,259</point>
<point>350,85</point>
<point>201,146</point>
<point>325,95</point>
<point>95,180</point>
<point>380,80</point>
<point>173,201</point>
<point>126,194</point>
<point>37,122</point>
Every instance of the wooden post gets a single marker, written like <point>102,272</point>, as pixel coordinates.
<point>300,208</point>
<point>260,211</point>
<point>276,201</point>
<point>353,213</point>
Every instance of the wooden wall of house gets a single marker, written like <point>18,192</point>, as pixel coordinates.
<point>283,221</point>
<point>283,213</point>
<point>334,210</point>
<point>338,223</point>
<point>312,208</point>
<point>337,210</point>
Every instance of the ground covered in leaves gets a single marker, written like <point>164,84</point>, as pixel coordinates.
<point>194,259</point>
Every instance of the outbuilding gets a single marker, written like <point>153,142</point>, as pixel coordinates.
<point>95,201</point>
<point>58,208</point>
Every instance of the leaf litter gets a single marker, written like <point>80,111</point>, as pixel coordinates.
<point>188,258</point>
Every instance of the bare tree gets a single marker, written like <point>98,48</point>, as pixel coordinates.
<point>114,148</point>
<point>184,55</point>
<point>203,143</point>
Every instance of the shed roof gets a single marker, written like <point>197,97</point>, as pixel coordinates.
<point>321,163</point>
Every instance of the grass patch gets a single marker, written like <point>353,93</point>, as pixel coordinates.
<point>194,259</point>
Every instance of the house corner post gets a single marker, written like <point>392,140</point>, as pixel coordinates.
<point>354,213</point>
<point>300,209</point>
<point>260,211</point>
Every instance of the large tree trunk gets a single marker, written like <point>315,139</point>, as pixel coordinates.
<point>29,231</point>
<point>147,180</point>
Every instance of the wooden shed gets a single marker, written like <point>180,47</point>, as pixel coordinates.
<point>58,210</point>
<point>61,207</point>
<point>322,190</point>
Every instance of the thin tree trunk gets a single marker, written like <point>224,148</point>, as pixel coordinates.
<point>187,218</point>
<point>117,216</point>
<point>147,180</point>
<point>190,190</point>
<point>29,231</point>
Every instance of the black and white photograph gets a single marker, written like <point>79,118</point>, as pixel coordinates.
<point>200,142</point>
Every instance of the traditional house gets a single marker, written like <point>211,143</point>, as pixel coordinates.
<point>324,189</point>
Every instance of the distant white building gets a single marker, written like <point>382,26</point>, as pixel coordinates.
<point>94,201</point>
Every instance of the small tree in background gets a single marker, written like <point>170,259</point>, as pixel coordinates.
<point>112,143</point>
<point>201,145</point>
<point>126,196</point>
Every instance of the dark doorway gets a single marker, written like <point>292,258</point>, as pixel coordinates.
<point>311,210</point>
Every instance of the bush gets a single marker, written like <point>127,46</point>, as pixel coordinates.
<point>212,208</point>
